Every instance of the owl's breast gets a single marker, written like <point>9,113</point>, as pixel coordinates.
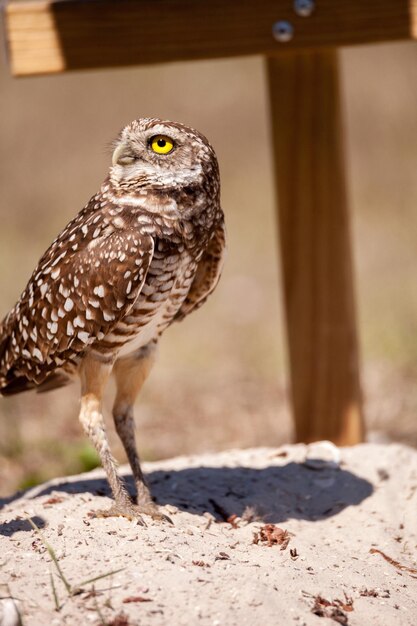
<point>167,284</point>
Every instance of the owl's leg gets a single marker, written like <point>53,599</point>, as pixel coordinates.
<point>94,375</point>
<point>131,372</point>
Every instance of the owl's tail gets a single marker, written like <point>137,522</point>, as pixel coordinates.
<point>11,380</point>
<point>4,345</point>
<point>7,377</point>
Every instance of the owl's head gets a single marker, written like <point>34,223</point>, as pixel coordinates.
<point>161,155</point>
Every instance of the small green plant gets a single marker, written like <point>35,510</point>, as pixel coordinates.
<point>31,480</point>
<point>87,457</point>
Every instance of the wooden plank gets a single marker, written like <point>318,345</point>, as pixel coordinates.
<point>74,34</point>
<point>315,246</point>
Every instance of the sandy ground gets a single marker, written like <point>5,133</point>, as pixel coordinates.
<point>345,552</point>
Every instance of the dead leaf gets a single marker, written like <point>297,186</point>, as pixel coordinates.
<point>324,608</point>
<point>335,610</point>
<point>53,500</point>
<point>272,535</point>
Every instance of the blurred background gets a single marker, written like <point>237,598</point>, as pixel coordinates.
<point>220,381</point>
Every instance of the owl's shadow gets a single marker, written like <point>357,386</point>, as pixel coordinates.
<point>274,494</point>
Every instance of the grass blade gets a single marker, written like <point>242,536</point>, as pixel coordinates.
<point>99,613</point>
<point>54,593</point>
<point>93,580</point>
<point>53,556</point>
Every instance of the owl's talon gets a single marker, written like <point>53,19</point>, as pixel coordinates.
<point>130,511</point>
<point>167,519</point>
<point>134,512</point>
<point>160,517</point>
<point>153,511</point>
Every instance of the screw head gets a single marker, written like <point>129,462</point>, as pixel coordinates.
<point>283,31</point>
<point>304,8</point>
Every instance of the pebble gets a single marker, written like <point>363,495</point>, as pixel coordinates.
<point>9,613</point>
<point>322,455</point>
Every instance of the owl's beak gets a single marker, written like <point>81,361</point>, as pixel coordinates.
<point>118,153</point>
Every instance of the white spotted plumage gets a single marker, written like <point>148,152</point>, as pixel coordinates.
<point>146,250</point>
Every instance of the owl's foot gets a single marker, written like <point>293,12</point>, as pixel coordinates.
<point>122,509</point>
<point>133,512</point>
<point>149,508</point>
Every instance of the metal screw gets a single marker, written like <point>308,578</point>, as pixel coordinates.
<point>304,8</point>
<point>283,31</point>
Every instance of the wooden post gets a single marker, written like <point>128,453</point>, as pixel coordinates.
<point>53,36</point>
<point>315,246</point>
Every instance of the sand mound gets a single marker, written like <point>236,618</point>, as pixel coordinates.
<point>297,535</point>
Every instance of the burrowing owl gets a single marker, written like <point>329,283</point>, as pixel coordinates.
<point>145,251</point>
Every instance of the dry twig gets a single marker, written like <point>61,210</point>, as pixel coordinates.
<point>403,568</point>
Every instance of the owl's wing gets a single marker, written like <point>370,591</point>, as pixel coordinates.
<point>74,298</point>
<point>207,275</point>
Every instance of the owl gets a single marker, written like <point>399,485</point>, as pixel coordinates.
<point>145,251</point>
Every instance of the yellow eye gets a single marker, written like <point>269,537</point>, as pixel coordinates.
<point>161,144</point>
